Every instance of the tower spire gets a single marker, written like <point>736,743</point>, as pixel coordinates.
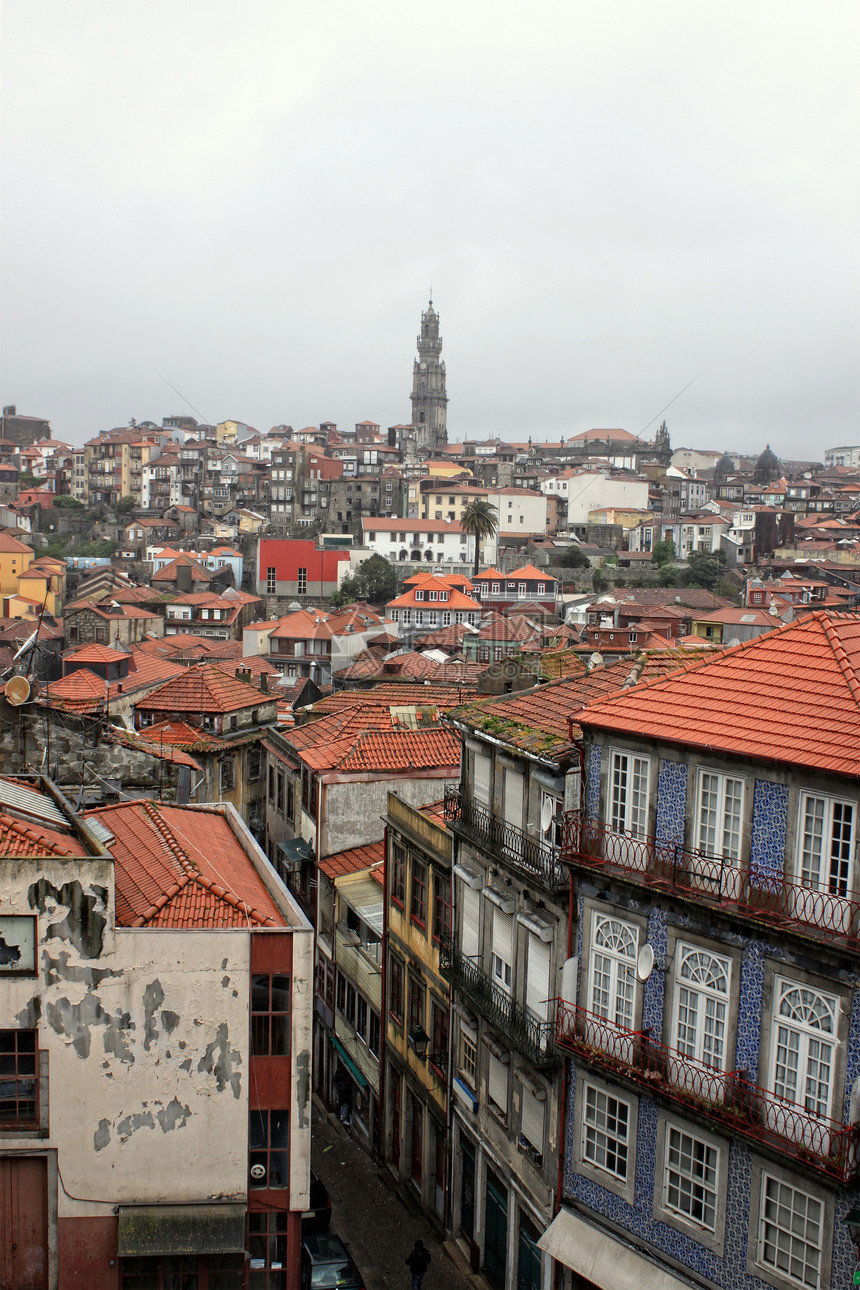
<point>429,397</point>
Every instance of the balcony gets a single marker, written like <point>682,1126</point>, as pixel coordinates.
<point>727,1097</point>
<point>528,1034</point>
<point>535,859</point>
<point>829,914</point>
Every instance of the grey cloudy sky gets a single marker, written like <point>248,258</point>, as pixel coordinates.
<point>252,200</point>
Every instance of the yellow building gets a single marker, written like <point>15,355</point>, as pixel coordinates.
<point>627,518</point>
<point>418,904</point>
<point>43,582</point>
<point>227,432</point>
<point>15,558</point>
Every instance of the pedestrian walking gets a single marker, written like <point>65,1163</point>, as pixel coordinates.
<point>418,1263</point>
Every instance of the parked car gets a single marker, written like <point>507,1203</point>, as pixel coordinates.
<point>316,1219</point>
<point>327,1266</point>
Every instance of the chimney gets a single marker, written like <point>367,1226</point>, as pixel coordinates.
<point>264,682</point>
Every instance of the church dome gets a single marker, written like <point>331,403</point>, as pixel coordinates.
<point>767,466</point>
<point>724,467</point>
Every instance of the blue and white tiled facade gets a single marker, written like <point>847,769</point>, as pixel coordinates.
<point>758,953</point>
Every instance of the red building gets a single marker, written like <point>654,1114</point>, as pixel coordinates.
<point>296,567</point>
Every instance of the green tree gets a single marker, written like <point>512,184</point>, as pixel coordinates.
<point>572,558</point>
<point>598,582</point>
<point>374,580</point>
<point>663,552</point>
<point>125,504</point>
<point>728,587</point>
<point>705,568</point>
<point>480,519</point>
<point>65,503</point>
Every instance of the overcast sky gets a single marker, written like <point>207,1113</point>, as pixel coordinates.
<point>251,200</point>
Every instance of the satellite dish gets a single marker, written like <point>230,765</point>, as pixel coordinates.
<point>645,962</point>
<point>546,815</point>
<point>17,690</point>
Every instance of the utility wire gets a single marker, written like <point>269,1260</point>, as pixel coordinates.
<point>659,414</point>
<point>203,418</point>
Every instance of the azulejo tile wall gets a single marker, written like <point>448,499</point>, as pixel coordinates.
<point>767,840</point>
<point>592,782</point>
<point>652,997</point>
<point>749,1009</point>
<point>728,1271</point>
<point>671,801</point>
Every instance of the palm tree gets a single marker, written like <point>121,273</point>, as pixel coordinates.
<point>481,519</point>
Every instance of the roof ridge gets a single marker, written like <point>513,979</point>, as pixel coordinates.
<point>169,838</point>
<point>222,893</point>
<point>841,654</point>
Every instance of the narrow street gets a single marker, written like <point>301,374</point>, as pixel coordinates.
<point>373,1221</point>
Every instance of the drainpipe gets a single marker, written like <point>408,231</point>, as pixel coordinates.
<point>383,1010</point>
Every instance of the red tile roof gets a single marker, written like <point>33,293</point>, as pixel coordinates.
<point>204,689</point>
<point>353,861</point>
<point>183,867</point>
<point>791,696</point>
<point>19,838</point>
<point>367,737</point>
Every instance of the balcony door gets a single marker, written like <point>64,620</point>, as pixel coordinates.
<point>612,983</point>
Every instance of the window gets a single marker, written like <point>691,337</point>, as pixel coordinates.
<point>395,991</point>
<point>690,1178</point>
<point>605,1132</point>
<point>804,1040</point>
<point>481,779</point>
<point>790,1232</point>
<point>541,590</point>
<point>19,1084</point>
<point>441,906</point>
<point>503,948</point>
<point>628,807</point>
<point>398,874</point>
<point>418,903</point>
<point>254,757</point>
<point>532,1114</point>
<point>470,926</point>
<point>614,947</point>
<point>439,1034</point>
<point>269,1142</point>
<point>416,1002</point>
<point>513,796</point>
<point>270,1016</point>
<point>271,582</point>
<point>446,618</point>
<point>719,815</point>
<point>826,844</point>
<point>228,774</point>
<point>701,1002</point>
<point>468,1057</point>
<point>497,1085</point>
<point>302,582</point>
<point>271,793</point>
<point>537,977</point>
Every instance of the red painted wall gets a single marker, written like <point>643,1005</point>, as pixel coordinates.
<point>86,1247</point>
<point>287,555</point>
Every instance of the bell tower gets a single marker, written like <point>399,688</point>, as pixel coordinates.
<point>429,400</point>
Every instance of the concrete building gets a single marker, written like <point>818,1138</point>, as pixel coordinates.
<point>590,489</point>
<point>156,1048</point>
<point>424,542</point>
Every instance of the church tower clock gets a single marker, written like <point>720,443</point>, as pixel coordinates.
<point>429,400</point>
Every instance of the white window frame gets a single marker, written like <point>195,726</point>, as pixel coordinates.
<point>780,1250</point>
<point>694,1163</point>
<point>467,1057</point>
<point>723,844</point>
<point>803,1054</point>
<point>598,1106</point>
<point>628,791</point>
<point>700,1014</point>
<point>612,991</point>
<point>826,862</point>
<point>503,949</point>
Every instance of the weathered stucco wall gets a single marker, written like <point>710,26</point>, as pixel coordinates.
<point>144,1032</point>
<point>353,809</point>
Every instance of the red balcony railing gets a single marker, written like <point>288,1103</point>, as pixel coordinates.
<point>831,913</point>
<point>725,1096</point>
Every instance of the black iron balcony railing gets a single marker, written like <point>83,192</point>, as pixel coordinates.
<point>528,1034</point>
<point>727,1097</point>
<point>831,913</point>
<point>534,857</point>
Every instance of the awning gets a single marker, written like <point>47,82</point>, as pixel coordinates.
<point>599,1258</point>
<point>180,1229</point>
<point>295,850</point>
<point>349,1062</point>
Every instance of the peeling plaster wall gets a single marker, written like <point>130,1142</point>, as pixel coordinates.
<point>146,1034</point>
<point>353,807</point>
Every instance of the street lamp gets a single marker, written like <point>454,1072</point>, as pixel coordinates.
<point>852,1222</point>
<point>419,1039</point>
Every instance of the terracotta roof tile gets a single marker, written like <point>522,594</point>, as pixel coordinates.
<point>20,838</point>
<point>791,696</point>
<point>353,861</point>
<point>204,689</point>
<point>183,867</point>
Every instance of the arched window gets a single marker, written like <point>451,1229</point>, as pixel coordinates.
<point>804,1041</point>
<point>614,946</point>
<point>701,1004</point>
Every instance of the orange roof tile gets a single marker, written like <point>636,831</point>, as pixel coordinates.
<point>20,838</point>
<point>353,861</point>
<point>791,696</point>
<point>183,867</point>
<point>203,688</point>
